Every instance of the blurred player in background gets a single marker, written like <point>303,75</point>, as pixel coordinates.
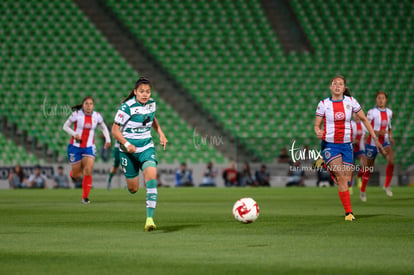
<point>336,113</point>
<point>115,164</point>
<point>82,149</point>
<point>358,139</point>
<point>136,116</point>
<point>380,118</point>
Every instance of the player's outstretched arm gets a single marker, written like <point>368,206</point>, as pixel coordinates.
<point>157,127</point>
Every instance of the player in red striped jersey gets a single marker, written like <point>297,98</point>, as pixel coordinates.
<point>380,118</point>
<point>81,150</point>
<point>335,112</point>
<point>358,139</point>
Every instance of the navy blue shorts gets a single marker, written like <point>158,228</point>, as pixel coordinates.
<point>372,151</point>
<point>359,153</point>
<point>331,151</point>
<point>75,154</point>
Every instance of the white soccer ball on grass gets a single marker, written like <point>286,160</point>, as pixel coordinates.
<point>246,210</point>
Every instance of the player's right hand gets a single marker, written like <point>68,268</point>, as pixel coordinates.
<point>131,149</point>
<point>319,134</point>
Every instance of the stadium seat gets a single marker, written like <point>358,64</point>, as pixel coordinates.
<point>56,66</point>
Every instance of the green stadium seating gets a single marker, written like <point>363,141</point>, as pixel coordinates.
<point>13,154</point>
<point>53,56</point>
<point>224,53</point>
<point>227,55</point>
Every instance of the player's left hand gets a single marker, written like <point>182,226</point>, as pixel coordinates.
<point>319,134</point>
<point>392,141</point>
<point>163,140</point>
<point>107,145</point>
<point>379,147</point>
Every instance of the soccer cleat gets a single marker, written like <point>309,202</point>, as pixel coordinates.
<point>349,216</point>
<point>85,201</point>
<point>318,164</point>
<point>388,191</point>
<point>363,196</point>
<point>150,225</point>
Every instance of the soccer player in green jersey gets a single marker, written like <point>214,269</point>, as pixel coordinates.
<point>136,116</point>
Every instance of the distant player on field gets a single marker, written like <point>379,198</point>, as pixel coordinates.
<point>136,116</point>
<point>358,139</point>
<point>380,118</point>
<point>115,164</point>
<point>82,149</point>
<point>335,112</point>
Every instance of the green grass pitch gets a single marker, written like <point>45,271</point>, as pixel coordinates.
<point>299,231</point>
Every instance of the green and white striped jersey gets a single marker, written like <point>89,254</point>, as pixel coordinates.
<point>136,121</point>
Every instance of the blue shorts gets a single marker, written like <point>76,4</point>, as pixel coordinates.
<point>331,151</point>
<point>359,153</point>
<point>75,154</point>
<point>371,151</point>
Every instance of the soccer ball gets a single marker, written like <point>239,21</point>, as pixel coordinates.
<point>246,210</point>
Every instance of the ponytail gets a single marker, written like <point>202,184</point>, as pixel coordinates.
<point>131,95</point>
<point>141,80</point>
<point>76,107</point>
<point>347,92</point>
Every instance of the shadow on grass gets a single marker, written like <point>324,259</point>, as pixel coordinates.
<point>402,199</point>
<point>368,216</point>
<point>174,228</point>
<point>375,215</point>
<point>257,245</point>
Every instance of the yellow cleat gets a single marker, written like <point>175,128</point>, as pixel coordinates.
<point>349,217</point>
<point>318,164</point>
<point>150,225</point>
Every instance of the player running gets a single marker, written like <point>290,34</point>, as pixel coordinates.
<point>82,149</point>
<point>380,118</point>
<point>336,112</point>
<point>136,116</point>
<point>115,164</point>
<point>358,139</point>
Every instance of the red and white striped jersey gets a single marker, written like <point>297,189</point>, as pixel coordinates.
<point>358,135</point>
<point>337,116</point>
<point>85,126</point>
<point>380,121</point>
